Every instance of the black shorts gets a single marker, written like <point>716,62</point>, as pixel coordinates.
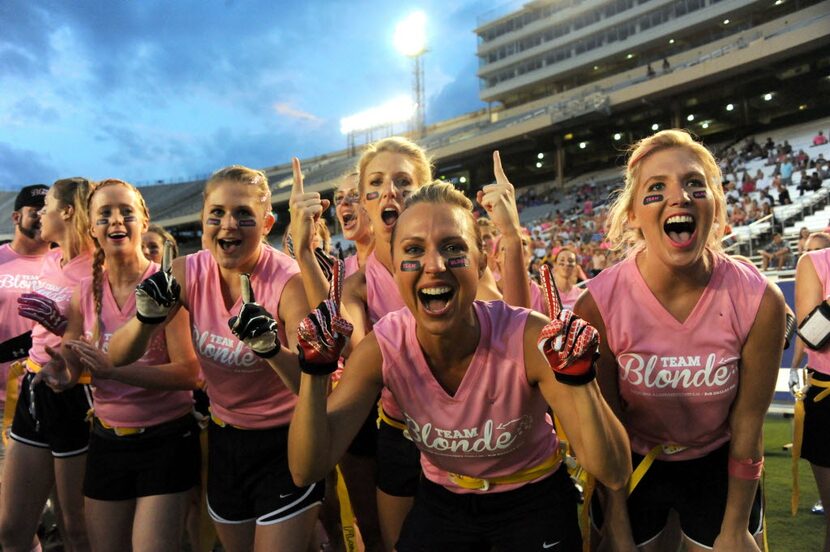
<point>63,428</point>
<point>537,516</point>
<point>163,459</point>
<point>399,462</point>
<point>815,447</point>
<point>249,480</point>
<point>365,443</point>
<point>696,489</point>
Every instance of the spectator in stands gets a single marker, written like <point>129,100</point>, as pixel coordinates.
<point>747,184</point>
<point>769,146</point>
<point>738,216</point>
<point>731,191</point>
<point>783,193</point>
<point>786,148</point>
<point>815,181</point>
<point>489,233</point>
<point>666,65</point>
<point>777,254</point>
<point>786,171</point>
<point>803,236</point>
<point>819,139</point>
<point>803,182</point>
<point>823,170</point>
<point>761,181</point>
<point>599,260</point>
<point>650,71</point>
<point>802,160</point>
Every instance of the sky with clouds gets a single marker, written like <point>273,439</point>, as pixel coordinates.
<point>150,89</point>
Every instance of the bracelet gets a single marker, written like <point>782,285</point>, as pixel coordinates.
<point>745,468</point>
<point>150,320</point>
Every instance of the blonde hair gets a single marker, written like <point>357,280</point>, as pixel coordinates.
<point>396,144</point>
<point>619,234</point>
<point>75,192</point>
<point>242,175</point>
<point>165,236</point>
<point>443,193</point>
<point>99,256</point>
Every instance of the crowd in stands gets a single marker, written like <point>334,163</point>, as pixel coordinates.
<point>578,222</point>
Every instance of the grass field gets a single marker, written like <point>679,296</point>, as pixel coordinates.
<point>805,531</point>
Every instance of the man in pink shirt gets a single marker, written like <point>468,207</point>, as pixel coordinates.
<point>20,263</point>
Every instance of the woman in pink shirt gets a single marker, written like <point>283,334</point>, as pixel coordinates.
<point>690,351</point>
<point>354,221</point>
<point>144,448</point>
<point>812,288</point>
<point>565,272</point>
<point>250,376</point>
<point>473,389</point>
<point>50,430</point>
<point>389,171</point>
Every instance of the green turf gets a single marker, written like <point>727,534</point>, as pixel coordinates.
<point>805,531</point>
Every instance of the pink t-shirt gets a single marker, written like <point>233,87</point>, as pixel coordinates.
<point>18,275</point>
<point>351,265</point>
<point>57,283</point>
<point>677,381</point>
<point>120,404</point>
<point>537,298</point>
<point>820,360</point>
<point>244,390</point>
<point>494,425</point>
<point>382,297</point>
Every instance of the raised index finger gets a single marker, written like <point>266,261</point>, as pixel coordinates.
<point>551,292</point>
<point>167,257</point>
<point>247,290</point>
<point>501,178</point>
<point>297,187</point>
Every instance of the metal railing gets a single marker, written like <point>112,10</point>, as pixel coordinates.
<point>749,227</point>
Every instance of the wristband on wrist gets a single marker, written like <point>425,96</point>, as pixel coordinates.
<point>273,352</point>
<point>316,368</point>
<point>745,468</point>
<point>578,377</point>
<point>151,320</point>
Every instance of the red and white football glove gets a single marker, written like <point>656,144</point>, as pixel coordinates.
<point>568,342</point>
<point>323,334</point>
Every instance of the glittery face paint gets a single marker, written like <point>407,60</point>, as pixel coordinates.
<point>371,196</point>
<point>102,221</point>
<point>213,222</point>
<point>699,194</point>
<point>458,262</point>
<point>410,266</point>
<point>649,199</point>
<point>248,222</point>
<point>130,218</point>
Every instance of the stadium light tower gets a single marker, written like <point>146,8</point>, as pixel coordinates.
<point>410,40</point>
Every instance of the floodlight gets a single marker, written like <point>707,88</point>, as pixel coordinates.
<point>394,111</point>
<point>410,34</point>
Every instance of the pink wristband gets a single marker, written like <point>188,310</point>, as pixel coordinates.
<point>745,468</point>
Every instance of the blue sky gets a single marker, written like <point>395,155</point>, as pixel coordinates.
<point>150,89</point>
